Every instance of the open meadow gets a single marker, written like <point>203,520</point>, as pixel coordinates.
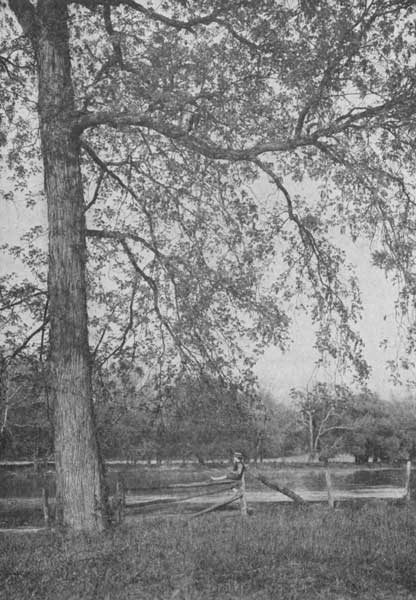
<point>365,551</point>
<point>280,552</point>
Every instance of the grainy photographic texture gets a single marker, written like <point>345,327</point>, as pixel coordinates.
<point>207,299</point>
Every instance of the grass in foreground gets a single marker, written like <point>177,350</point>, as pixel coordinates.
<point>282,552</point>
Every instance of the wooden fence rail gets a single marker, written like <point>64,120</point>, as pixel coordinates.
<point>121,502</point>
<point>278,487</point>
<point>178,486</point>
<point>169,500</point>
<point>217,506</point>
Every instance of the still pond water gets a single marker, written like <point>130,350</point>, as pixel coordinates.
<point>24,483</point>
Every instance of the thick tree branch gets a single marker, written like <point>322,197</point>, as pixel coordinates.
<point>153,14</point>
<point>173,132</point>
<point>96,191</point>
<point>354,118</point>
<point>105,169</point>
<point>25,14</point>
<point>121,236</point>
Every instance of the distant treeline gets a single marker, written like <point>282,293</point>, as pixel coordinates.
<point>201,418</point>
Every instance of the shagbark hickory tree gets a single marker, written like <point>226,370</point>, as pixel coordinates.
<point>160,129</point>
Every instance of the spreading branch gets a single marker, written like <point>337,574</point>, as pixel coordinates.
<point>152,14</point>
<point>155,292</point>
<point>120,236</point>
<point>353,119</point>
<point>305,234</point>
<point>129,327</point>
<point>96,191</point>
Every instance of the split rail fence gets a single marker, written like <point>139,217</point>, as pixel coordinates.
<point>125,500</point>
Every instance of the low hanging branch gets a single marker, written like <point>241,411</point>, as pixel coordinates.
<point>185,352</point>
<point>96,191</point>
<point>305,234</point>
<point>127,329</point>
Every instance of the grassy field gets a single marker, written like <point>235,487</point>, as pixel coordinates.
<point>281,552</point>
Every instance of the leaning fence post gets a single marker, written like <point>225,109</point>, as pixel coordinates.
<point>328,480</point>
<point>45,506</point>
<point>243,499</point>
<point>408,473</point>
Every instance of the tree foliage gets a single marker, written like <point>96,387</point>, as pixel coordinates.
<point>180,112</point>
<point>324,414</point>
<point>336,420</point>
<point>160,130</point>
<point>380,430</point>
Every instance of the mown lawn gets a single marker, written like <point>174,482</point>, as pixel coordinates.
<point>282,552</point>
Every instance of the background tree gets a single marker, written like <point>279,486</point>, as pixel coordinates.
<point>380,430</point>
<point>404,414</point>
<point>212,419</point>
<point>324,413</point>
<point>154,128</point>
<point>192,419</point>
<point>339,420</point>
<point>26,416</point>
<point>277,429</point>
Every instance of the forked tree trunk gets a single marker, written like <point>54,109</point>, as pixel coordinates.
<point>81,497</point>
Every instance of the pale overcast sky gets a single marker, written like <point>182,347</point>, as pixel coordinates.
<point>278,372</point>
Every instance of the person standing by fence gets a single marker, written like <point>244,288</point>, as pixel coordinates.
<point>238,469</point>
<point>237,474</point>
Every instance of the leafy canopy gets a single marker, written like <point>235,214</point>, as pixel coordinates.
<point>221,143</point>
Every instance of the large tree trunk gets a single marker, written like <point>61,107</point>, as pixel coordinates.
<point>81,496</point>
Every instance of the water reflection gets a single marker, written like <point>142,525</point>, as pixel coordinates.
<point>26,483</point>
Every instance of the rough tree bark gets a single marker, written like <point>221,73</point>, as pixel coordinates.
<point>81,493</point>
